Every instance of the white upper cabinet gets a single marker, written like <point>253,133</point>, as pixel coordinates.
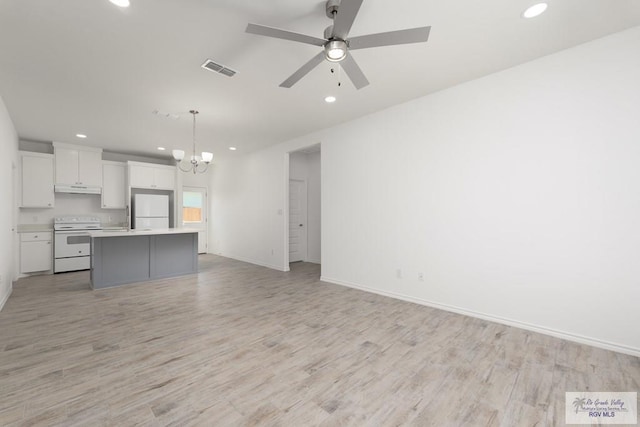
<point>165,177</point>
<point>36,175</point>
<point>147,175</point>
<point>77,165</point>
<point>113,185</point>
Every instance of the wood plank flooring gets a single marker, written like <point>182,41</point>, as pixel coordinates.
<point>239,344</point>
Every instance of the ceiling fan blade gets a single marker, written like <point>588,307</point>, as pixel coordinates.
<point>413,35</point>
<point>354,72</point>
<point>277,33</point>
<point>347,12</point>
<point>303,71</point>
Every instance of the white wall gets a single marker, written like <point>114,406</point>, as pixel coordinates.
<point>247,208</point>
<point>8,161</point>
<point>306,166</point>
<point>516,195</point>
<point>314,203</point>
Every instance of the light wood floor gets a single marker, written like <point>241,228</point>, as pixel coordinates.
<point>239,344</point>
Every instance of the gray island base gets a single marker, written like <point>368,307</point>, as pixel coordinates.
<point>122,257</point>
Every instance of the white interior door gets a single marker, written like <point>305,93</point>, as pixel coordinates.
<point>297,220</point>
<point>194,213</point>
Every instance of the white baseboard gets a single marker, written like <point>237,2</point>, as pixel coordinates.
<point>510,322</point>
<point>5,298</point>
<point>252,261</point>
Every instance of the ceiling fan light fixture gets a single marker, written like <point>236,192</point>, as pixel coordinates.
<point>335,50</point>
<point>535,10</point>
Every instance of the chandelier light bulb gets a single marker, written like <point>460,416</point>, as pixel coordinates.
<point>178,154</point>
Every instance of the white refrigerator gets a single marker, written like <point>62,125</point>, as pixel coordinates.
<point>151,211</point>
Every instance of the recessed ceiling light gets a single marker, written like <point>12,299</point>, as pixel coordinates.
<point>80,135</point>
<point>121,3</point>
<point>161,148</point>
<point>535,10</point>
<point>232,148</point>
<point>330,99</point>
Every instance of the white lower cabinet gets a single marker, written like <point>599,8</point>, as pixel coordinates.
<point>36,252</point>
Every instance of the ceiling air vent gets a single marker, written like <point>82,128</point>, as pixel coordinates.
<point>217,68</point>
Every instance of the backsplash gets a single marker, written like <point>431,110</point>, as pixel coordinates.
<point>73,204</point>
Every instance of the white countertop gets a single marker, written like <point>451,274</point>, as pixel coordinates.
<point>31,228</point>
<point>138,232</point>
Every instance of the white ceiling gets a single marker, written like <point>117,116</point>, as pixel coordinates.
<point>78,66</point>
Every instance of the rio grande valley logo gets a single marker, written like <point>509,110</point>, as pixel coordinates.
<point>601,407</point>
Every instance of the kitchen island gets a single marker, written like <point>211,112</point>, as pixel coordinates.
<point>121,257</point>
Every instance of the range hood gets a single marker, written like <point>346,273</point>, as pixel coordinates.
<point>78,189</point>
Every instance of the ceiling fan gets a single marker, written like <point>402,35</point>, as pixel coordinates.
<point>337,44</point>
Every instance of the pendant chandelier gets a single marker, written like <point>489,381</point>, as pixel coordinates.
<point>196,164</point>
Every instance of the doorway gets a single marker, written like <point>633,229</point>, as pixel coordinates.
<point>304,211</point>
<point>194,213</point>
<point>297,220</point>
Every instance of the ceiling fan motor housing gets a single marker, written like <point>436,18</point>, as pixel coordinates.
<point>328,32</point>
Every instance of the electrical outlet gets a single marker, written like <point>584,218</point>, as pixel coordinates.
<point>421,277</point>
<point>399,273</point>
<point>271,251</point>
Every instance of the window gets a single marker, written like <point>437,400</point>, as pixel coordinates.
<point>191,207</point>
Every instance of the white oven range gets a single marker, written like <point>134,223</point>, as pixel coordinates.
<point>72,243</point>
